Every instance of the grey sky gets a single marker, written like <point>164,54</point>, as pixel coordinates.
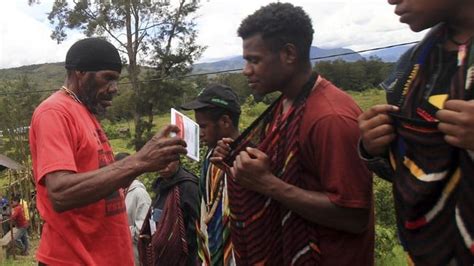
<point>356,24</point>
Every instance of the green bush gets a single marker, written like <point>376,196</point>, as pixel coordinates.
<point>115,130</point>
<point>385,224</point>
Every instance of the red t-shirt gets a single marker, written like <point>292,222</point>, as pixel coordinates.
<point>65,136</point>
<point>18,216</point>
<point>328,136</point>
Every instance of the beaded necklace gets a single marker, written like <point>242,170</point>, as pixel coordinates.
<point>71,94</point>
<point>214,195</point>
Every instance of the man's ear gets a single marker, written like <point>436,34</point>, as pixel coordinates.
<point>79,77</point>
<point>80,74</point>
<point>225,121</point>
<point>289,53</point>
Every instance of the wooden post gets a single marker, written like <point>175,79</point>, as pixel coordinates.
<point>11,221</point>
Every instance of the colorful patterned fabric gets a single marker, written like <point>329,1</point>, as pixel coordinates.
<point>263,230</point>
<point>433,181</point>
<point>215,246</point>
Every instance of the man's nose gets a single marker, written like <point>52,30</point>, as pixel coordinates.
<point>113,87</point>
<point>247,69</point>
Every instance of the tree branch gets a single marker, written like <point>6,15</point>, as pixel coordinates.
<point>90,14</point>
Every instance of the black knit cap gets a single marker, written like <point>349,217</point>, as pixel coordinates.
<point>93,54</point>
<point>215,95</point>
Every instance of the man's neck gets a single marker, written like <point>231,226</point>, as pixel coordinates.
<point>293,88</point>
<point>71,85</point>
<point>463,23</point>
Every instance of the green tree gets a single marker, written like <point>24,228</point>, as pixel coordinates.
<point>141,29</point>
<point>355,76</point>
<point>16,108</point>
<point>238,82</point>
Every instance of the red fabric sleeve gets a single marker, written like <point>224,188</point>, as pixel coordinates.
<point>15,213</point>
<point>54,143</point>
<point>344,178</point>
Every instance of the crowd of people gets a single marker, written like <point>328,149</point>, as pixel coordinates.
<point>295,187</point>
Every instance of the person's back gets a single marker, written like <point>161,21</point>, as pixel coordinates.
<point>18,217</point>
<point>21,224</point>
<point>171,228</point>
<point>137,202</point>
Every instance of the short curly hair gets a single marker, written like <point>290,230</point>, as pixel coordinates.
<point>279,24</point>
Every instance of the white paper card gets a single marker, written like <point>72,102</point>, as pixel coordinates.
<point>189,131</point>
<point>152,226</point>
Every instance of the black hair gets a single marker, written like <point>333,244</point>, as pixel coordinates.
<point>215,113</point>
<point>279,24</point>
<point>16,198</point>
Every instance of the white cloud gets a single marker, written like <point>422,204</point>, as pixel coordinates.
<point>25,36</point>
<point>25,30</point>
<point>352,24</point>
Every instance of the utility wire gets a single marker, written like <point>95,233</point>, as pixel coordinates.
<point>238,69</point>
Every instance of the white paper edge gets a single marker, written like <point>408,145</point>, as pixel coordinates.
<point>173,122</point>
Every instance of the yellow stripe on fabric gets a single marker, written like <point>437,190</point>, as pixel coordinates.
<point>288,159</point>
<point>453,182</point>
<point>411,78</point>
<point>420,174</point>
<point>392,160</point>
<point>259,214</point>
<point>438,100</point>
<point>414,169</point>
<point>228,254</point>
<point>409,260</point>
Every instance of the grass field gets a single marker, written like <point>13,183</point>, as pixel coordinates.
<point>24,260</point>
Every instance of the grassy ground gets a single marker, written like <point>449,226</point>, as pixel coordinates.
<point>368,98</point>
<point>397,259</point>
<point>24,260</point>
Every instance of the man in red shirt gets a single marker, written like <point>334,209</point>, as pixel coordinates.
<point>299,193</point>
<point>21,224</point>
<point>79,186</point>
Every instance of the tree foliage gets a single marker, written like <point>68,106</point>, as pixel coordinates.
<point>16,108</point>
<point>156,33</point>
<point>355,76</point>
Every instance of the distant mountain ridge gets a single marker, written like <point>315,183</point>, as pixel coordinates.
<point>389,54</point>
<point>237,62</point>
<point>50,75</point>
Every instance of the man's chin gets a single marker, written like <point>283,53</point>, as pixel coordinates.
<point>101,110</point>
